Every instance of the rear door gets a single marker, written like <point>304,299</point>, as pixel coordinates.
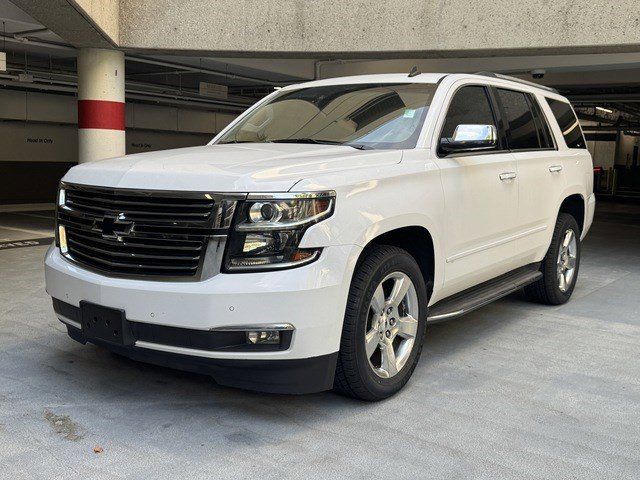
<point>481,195</point>
<point>541,179</point>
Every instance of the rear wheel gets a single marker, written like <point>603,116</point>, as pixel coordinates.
<point>384,325</point>
<point>560,266</point>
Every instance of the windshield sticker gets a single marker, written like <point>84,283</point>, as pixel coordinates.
<point>409,112</point>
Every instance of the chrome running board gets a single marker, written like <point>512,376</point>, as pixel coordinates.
<point>483,294</point>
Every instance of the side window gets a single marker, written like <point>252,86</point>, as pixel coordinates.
<point>568,123</point>
<point>544,133</point>
<point>521,129</point>
<point>469,106</point>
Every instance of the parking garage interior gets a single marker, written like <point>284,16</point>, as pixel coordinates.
<point>511,390</point>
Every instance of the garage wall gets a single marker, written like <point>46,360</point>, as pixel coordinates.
<point>603,153</point>
<point>601,145</point>
<point>626,150</point>
<point>39,138</point>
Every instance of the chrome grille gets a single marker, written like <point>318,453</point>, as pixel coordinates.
<point>126,232</point>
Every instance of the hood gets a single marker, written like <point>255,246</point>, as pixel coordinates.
<point>255,167</point>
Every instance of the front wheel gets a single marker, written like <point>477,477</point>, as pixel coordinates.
<point>384,325</point>
<point>560,266</point>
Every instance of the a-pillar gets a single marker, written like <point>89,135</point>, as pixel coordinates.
<point>101,117</point>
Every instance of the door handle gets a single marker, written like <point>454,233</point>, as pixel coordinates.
<point>555,168</point>
<point>508,176</point>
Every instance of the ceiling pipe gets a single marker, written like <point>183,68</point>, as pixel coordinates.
<point>157,98</point>
<point>605,98</point>
<point>595,118</point>
<point>38,43</point>
<point>612,128</point>
<point>66,78</point>
<point>208,71</point>
<point>26,33</point>
<point>149,61</point>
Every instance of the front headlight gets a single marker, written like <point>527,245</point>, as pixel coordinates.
<point>268,229</point>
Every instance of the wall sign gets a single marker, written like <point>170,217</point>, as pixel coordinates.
<point>213,90</point>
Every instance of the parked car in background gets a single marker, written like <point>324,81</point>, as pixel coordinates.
<point>309,245</point>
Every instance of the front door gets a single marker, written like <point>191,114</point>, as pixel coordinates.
<point>481,198</point>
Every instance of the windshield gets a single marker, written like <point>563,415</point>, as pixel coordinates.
<point>379,116</point>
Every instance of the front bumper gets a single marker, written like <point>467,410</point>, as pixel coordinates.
<point>297,376</point>
<point>312,298</point>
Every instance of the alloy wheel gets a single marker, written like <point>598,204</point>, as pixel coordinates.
<point>392,324</point>
<point>567,260</point>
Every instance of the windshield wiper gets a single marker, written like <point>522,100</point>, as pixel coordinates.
<point>239,141</point>
<point>320,142</point>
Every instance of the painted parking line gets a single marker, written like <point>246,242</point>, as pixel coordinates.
<point>24,230</point>
<point>32,215</point>
<point>32,242</point>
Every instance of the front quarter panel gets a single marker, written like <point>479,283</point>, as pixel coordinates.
<point>374,201</point>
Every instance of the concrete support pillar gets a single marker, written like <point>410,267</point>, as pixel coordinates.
<point>101,122</point>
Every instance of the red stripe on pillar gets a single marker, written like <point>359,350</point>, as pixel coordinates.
<point>101,114</point>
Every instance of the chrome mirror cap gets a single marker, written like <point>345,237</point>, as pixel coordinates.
<point>471,137</point>
<point>475,133</point>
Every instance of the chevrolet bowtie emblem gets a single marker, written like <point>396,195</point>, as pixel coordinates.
<point>112,227</point>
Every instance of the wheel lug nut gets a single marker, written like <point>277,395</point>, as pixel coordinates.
<point>388,333</point>
<point>392,322</point>
<point>389,310</point>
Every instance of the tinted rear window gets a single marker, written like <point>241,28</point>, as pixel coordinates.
<point>544,133</point>
<point>568,123</point>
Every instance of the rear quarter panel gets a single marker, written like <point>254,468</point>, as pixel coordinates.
<point>577,163</point>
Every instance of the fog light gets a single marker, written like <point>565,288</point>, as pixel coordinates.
<point>264,337</point>
<point>62,238</point>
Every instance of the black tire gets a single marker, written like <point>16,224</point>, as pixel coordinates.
<point>354,375</point>
<point>547,289</point>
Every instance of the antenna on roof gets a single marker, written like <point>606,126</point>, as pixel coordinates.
<point>414,71</point>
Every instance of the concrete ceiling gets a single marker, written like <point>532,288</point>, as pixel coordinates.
<point>611,80</point>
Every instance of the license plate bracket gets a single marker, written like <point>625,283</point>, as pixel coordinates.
<point>105,324</point>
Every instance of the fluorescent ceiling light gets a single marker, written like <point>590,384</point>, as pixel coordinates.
<point>605,110</point>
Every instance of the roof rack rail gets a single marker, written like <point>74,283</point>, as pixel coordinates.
<point>517,80</point>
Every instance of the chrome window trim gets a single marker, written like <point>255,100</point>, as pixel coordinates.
<point>254,327</point>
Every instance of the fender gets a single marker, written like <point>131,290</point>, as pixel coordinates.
<point>369,207</point>
<point>573,190</point>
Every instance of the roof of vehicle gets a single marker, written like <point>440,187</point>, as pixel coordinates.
<point>420,78</point>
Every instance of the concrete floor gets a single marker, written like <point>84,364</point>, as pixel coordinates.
<point>513,390</point>
<point>20,226</point>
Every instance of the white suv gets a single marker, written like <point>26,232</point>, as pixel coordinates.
<point>310,243</point>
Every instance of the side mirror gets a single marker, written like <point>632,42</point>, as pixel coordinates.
<point>470,138</point>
